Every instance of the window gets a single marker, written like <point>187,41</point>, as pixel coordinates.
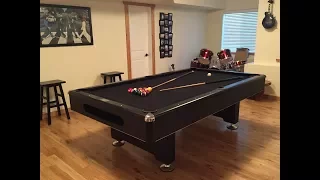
<point>239,31</point>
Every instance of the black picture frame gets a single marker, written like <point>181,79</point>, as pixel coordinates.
<point>166,54</point>
<point>169,29</point>
<point>161,23</point>
<point>166,42</point>
<point>169,41</point>
<point>166,23</point>
<point>166,29</point>
<point>52,20</point>
<point>161,16</point>
<point>170,15</point>
<point>161,42</point>
<point>170,35</point>
<point>170,23</point>
<point>166,16</point>
<point>170,47</point>
<point>162,54</point>
<point>166,48</point>
<point>162,29</point>
<point>169,53</point>
<point>166,35</point>
<point>161,36</point>
<point>161,48</point>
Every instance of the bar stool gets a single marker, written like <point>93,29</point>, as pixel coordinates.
<point>52,84</point>
<point>112,75</point>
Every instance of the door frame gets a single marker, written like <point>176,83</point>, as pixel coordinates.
<point>126,11</point>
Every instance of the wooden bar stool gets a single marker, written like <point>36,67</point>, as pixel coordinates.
<point>112,75</point>
<point>52,84</point>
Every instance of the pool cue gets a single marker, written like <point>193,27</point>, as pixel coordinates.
<point>172,79</point>
<point>149,89</point>
<point>201,83</point>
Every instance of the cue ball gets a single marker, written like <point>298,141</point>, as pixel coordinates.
<point>209,74</point>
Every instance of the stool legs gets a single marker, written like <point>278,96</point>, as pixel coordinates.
<point>120,78</point>
<point>48,105</point>
<point>64,101</point>
<point>57,100</point>
<point>104,80</point>
<point>41,101</point>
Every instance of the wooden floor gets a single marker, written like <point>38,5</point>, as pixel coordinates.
<point>82,149</point>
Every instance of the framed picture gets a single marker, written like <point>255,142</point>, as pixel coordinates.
<point>166,16</point>
<point>166,54</point>
<point>166,48</point>
<point>170,16</point>
<point>166,36</point>
<point>166,42</point>
<point>161,23</point>
<point>162,54</point>
<point>170,23</point>
<point>170,47</point>
<point>161,48</point>
<point>170,29</point>
<point>162,29</point>
<point>170,35</point>
<point>166,29</point>
<point>170,42</point>
<point>161,16</point>
<point>62,25</point>
<point>161,36</point>
<point>166,23</point>
<point>170,54</point>
<point>161,42</point>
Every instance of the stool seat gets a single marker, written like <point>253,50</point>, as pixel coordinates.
<point>112,75</point>
<point>52,84</point>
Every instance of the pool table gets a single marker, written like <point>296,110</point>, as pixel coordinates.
<point>150,122</point>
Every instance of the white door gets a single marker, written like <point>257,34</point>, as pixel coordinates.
<point>140,40</point>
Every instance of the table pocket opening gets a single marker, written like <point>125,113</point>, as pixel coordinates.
<point>103,115</point>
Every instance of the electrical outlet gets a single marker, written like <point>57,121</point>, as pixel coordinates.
<point>278,60</point>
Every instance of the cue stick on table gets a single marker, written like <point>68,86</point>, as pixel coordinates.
<point>201,83</point>
<point>172,79</point>
<point>149,89</point>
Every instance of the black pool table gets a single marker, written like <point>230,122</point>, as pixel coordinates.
<point>150,122</point>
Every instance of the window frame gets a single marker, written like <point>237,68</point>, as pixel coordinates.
<point>238,11</point>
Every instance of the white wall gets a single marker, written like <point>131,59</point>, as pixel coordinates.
<point>81,66</point>
<point>189,27</point>
<point>268,50</point>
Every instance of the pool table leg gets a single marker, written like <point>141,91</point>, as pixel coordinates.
<point>230,115</point>
<point>164,151</point>
<point>118,142</point>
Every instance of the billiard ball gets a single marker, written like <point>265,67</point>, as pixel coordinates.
<point>209,74</point>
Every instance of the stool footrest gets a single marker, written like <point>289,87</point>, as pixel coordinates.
<point>45,103</point>
<point>51,106</point>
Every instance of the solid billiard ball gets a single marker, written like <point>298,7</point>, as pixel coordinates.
<point>149,89</point>
<point>209,74</point>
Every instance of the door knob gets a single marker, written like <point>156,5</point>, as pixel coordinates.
<point>146,55</point>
